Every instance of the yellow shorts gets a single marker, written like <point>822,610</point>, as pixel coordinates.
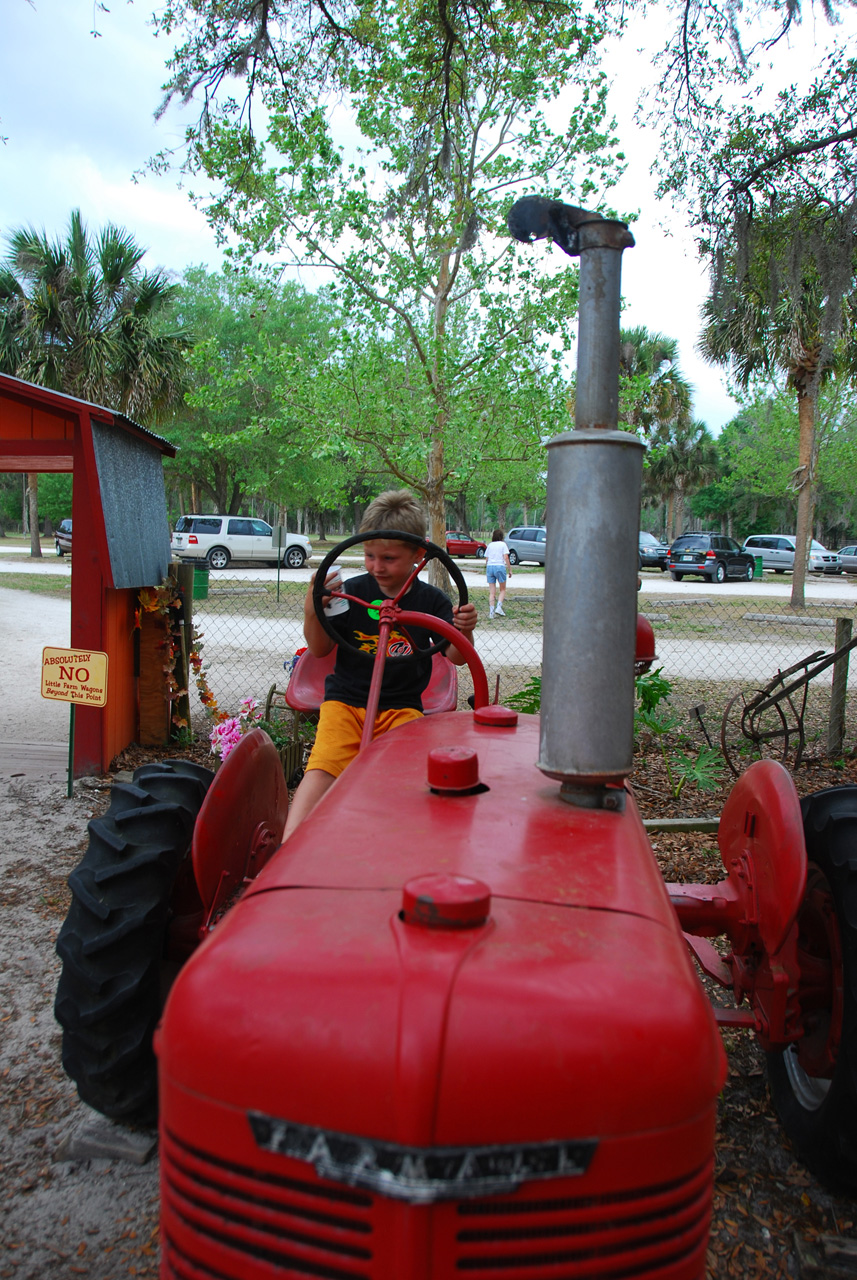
<point>340,728</point>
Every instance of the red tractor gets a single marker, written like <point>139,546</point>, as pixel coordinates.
<point>453,1026</point>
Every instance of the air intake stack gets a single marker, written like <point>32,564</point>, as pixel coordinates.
<point>593,499</point>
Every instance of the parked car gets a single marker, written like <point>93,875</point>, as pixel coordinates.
<point>219,539</point>
<point>62,537</point>
<point>653,552</point>
<point>848,558</point>
<point>709,555</point>
<point>462,544</point>
<point>527,544</point>
<point>778,553</point>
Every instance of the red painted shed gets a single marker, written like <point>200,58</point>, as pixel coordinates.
<point>121,538</point>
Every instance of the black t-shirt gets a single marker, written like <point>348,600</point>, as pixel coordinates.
<point>404,679</point>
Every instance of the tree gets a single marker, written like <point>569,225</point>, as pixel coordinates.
<point>771,183</point>
<point>79,316</point>
<point>367,403</point>
<point>730,142</point>
<point>758,449</point>
<point>682,457</point>
<point>652,391</point>
<point>777,309</point>
<point>238,435</point>
<point>453,126</point>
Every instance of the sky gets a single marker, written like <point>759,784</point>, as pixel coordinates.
<point>77,111</point>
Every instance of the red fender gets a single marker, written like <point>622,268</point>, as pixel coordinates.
<point>764,854</point>
<point>240,823</point>
<point>761,822</point>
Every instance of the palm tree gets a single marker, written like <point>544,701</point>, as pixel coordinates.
<point>653,392</point>
<point>682,458</point>
<point>79,315</point>
<point>772,309</point>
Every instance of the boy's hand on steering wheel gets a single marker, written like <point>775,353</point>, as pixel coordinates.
<point>465,617</point>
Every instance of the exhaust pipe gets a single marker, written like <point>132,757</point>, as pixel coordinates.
<point>593,497</point>
<point>590,623</point>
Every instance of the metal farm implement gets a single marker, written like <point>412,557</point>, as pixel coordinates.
<point>769,723</point>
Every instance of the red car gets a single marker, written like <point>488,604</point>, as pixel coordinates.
<point>461,545</point>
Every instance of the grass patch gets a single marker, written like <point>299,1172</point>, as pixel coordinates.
<point>253,598</point>
<point>40,584</point>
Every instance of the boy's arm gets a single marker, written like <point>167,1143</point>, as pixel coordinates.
<point>464,617</point>
<point>318,641</point>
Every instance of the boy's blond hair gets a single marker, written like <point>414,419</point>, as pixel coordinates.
<point>395,509</point>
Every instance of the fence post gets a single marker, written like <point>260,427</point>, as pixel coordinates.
<point>839,687</point>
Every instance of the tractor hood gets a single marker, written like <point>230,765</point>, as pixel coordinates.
<point>324,1015</point>
<point>381,825</point>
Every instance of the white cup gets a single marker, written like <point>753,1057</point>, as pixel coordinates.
<point>333,582</point>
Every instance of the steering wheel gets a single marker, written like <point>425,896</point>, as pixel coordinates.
<point>391,614</point>
<point>431,552</point>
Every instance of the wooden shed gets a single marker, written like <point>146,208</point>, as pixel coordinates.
<point>120,543</point>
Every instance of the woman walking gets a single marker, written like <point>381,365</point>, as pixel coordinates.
<point>498,567</point>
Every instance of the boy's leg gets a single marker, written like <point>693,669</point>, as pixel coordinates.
<point>313,786</point>
<point>337,742</point>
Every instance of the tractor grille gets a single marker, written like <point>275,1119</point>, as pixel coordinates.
<point>648,1232</point>
<point>224,1221</point>
<point>298,1227</point>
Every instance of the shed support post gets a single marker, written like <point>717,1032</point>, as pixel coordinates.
<point>839,689</point>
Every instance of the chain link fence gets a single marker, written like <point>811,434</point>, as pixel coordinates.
<point>710,646</point>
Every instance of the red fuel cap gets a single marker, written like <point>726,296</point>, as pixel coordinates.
<point>445,902</point>
<point>453,769</point>
<point>496,714</point>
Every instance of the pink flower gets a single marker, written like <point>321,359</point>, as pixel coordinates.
<point>226,735</point>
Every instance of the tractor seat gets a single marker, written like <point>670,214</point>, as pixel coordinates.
<point>305,691</point>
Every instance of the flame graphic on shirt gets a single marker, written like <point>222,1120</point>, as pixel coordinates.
<point>398,645</point>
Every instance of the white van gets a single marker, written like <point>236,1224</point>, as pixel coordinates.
<point>527,544</point>
<point>778,553</point>
<point>219,539</point>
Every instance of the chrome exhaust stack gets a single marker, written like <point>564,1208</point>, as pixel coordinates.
<point>590,620</point>
<point>593,502</point>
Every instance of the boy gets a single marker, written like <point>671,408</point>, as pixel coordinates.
<point>388,566</point>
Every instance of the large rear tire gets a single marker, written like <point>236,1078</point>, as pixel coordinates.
<point>113,941</point>
<point>814,1083</point>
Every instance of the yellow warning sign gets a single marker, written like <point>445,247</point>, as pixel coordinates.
<point>75,675</point>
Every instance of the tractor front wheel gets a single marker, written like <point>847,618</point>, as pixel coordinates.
<point>130,894</point>
<point>814,1082</point>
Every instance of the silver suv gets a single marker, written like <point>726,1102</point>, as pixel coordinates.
<point>219,539</point>
<point>527,543</point>
<point>778,553</point>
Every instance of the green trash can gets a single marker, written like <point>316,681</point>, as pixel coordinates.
<point>200,583</point>
<point>757,572</point>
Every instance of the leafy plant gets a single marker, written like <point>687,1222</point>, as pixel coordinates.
<point>703,769</point>
<point>652,688</point>
<point>282,732</point>
<point>528,699</point>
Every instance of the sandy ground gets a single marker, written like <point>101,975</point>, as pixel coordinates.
<point>98,1217</point>
<point>92,1218</point>
<point>27,624</point>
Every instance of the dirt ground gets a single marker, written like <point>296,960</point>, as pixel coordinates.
<point>96,1218</point>
<point>99,1218</point>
